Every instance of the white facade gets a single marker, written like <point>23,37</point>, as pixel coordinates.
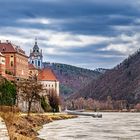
<point>51,85</point>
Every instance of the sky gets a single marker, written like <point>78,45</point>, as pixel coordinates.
<point>86,33</point>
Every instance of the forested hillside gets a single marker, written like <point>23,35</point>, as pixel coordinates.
<point>72,78</point>
<point>119,83</point>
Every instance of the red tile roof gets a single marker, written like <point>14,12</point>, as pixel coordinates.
<point>47,75</point>
<point>6,47</point>
<point>10,48</point>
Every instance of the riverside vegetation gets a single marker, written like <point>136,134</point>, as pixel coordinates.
<point>24,127</point>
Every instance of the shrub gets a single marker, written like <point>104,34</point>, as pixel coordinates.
<point>7,93</point>
<point>45,105</point>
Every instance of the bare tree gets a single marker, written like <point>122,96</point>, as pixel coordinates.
<point>54,100</point>
<point>29,91</point>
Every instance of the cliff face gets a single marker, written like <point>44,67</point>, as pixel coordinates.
<point>121,83</point>
<point>72,78</point>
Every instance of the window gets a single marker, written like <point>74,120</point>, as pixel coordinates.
<point>12,63</point>
<point>11,55</point>
<point>39,63</point>
<point>32,62</point>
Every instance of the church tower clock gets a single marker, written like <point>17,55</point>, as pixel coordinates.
<point>36,56</point>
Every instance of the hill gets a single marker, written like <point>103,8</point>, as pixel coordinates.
<point>72,78</point>
<point>119,83</point>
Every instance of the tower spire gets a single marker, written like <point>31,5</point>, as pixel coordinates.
<point>35,40</point>
<point>36,56</point>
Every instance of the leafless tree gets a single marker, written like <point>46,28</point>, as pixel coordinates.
<point>54,100</point>
<point>29,91</point>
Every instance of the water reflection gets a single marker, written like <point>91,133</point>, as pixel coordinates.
<point>113,126</point>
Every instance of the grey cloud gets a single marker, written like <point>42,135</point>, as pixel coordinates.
<point>79,17</point>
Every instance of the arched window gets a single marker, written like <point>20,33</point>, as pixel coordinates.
<point>39,63</point>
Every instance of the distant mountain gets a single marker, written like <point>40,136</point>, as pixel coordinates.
<point>72,78</point>
<point>119,83</point>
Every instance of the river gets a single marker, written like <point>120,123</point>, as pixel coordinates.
<point>113,126</point>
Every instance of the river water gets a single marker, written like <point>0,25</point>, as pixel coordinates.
<point>113,126</point>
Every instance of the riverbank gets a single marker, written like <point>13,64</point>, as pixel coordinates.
<point>123,110</point>
<point>113,126</point>
<point>22,127</point>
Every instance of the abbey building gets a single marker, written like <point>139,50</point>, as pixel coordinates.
<point>15,64</point>
<point>45,75</point>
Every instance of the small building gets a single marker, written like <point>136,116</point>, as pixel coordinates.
<point>16,61</point>
<point>49,81</point>
<point>36,56</point>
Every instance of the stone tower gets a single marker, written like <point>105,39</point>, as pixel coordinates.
<point>36,56</point>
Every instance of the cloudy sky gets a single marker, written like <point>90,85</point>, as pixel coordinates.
<point>85,33</point>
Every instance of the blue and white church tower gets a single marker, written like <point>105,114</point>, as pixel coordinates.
<point>36,56</point>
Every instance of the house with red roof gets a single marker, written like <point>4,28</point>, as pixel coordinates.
<point>48,79</point>
<point>16,61</point>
